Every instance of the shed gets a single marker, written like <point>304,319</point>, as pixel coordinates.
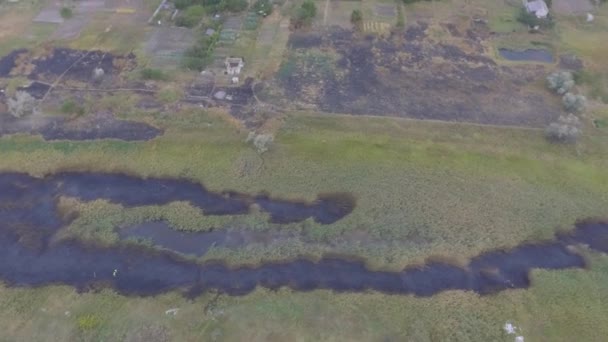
<point>537,7</point>
<point>234,65</point>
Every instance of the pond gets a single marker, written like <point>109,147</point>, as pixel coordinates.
<point>528,55</point>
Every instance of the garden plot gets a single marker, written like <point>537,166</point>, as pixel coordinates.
<point>339,13</point>
<point>167,45</point>
<point>50,14</point>
<point>572,7</point>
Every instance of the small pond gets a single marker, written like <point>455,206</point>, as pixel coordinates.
<point>528,55</point>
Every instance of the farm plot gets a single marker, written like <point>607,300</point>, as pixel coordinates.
<point>167,45</point>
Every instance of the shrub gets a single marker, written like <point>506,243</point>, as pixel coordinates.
<point>305,14</point>
<point>356,18</point>
<point>71,107</point>
<point>261,142</point>
<point>153,74</point>
<point>566,129</point>
<point>22,104</point>
<point>66,12</point>
<point>574,103</point>
<point>560,82</point>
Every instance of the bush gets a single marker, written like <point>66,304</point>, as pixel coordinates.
<point>261,142</point>
<point>71,107</point>
<point>574,103</point>
<point>567,129</point>
<point>263,7</point>
<point>66,12</point>
<point>560,81</point>
<point>305,14</point>
<point>356,18</point>
<point>153,74</point>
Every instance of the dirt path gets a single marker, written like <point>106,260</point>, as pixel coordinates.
<point>325,12</point>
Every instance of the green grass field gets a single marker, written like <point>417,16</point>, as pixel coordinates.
<point>424,189</point>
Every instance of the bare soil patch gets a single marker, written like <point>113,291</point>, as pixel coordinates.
<point>571,7</point>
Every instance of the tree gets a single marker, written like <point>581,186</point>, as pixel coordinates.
<point>566,129</point>
<point>305,14</point>
<point>560,81</point>
<point>66,12</point>
<point>22,104</point>
<point>356,18</point>
<point>574,103</point>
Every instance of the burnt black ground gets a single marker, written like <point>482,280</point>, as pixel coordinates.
<point>410,74</point>
<point>76,64</point>
<point>28,257</point>
<point>90,128</point>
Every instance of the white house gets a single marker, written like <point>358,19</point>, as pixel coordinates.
<point>537,7</point>
<point>234,65</point>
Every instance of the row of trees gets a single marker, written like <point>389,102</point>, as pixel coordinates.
<point>568,127</point>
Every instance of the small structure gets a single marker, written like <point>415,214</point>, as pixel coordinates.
<point>209,32</point>
<point>537,7</point>
<point>234,65</point>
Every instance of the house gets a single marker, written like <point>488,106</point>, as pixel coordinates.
<point>234,65</point>
<point>537,7</point>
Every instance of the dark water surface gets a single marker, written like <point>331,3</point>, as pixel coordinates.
<point>530,55</point>
<point>29,217</point>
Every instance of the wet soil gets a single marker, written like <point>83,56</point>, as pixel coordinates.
<point>76,64</point>
<point>98,126</point>
<point>410,74</point>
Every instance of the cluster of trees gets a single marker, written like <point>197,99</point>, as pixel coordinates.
<point>567,128</point>
<point>562,82</point>
<point>304,15</point>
